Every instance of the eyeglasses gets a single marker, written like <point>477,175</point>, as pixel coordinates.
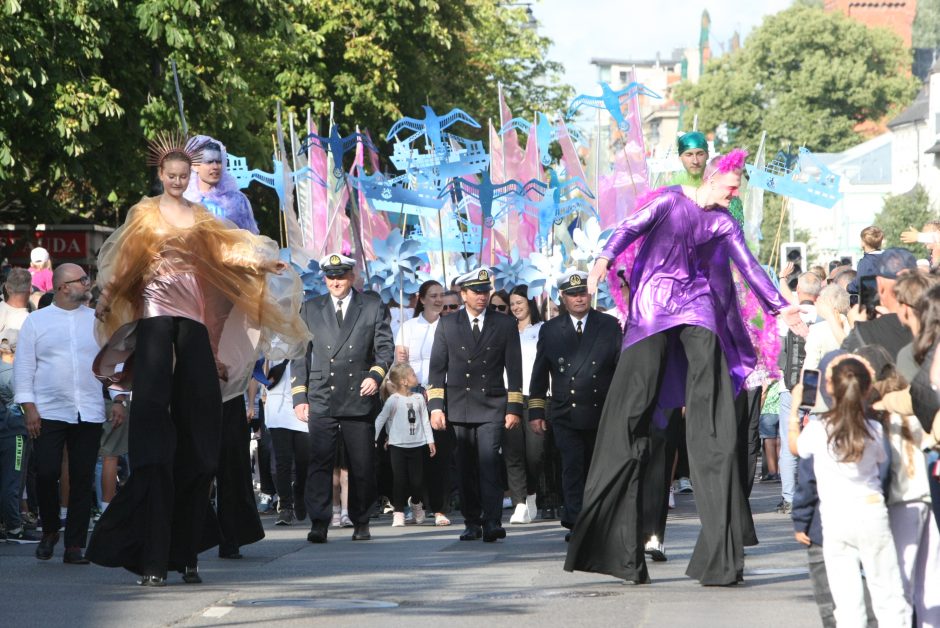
<point>451,306</point>
<point>84,280</point>
<point>499,308</point>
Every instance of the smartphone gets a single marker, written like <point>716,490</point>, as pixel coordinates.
<point>810,381</point>
<point>868,295</point>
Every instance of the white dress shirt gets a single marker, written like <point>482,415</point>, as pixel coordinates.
<point>417,334</point>
<point>574,322</point>
<point>52,369</point>
<point>345,306</point>
<point>529,341</point>
<point>279,406</point>
<point>479,318</point>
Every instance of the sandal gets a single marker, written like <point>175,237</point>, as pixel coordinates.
<point>440,519</point>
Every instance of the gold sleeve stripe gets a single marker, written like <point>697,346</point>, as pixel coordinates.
<point>515,397</point>
<point>536,403</point>
<point>298,389</point>
<point>435,393</point>
<point>378,370</point>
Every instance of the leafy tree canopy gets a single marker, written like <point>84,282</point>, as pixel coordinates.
<point>903,211</point>
<point>806,77</point>
<point>84,82</point>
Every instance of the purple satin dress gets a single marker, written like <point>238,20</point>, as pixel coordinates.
<point>682,277</point>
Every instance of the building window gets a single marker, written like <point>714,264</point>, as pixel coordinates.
<point>623,77</point>
<point>604,73</point>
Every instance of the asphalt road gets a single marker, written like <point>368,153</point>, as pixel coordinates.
<point>421,576</point>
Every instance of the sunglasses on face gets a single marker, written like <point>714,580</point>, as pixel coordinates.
<point>499,308</point>
<point>451,306</point>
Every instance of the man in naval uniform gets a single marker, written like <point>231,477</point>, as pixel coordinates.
<point>334,388</point>
<point>580,351</point>
<point>476,383</point>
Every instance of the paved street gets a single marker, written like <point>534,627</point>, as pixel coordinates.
<point>423,576</point>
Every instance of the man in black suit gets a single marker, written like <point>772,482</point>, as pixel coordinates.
<point>334,389</point>
<point>472,351</point>
<point>579,350</point>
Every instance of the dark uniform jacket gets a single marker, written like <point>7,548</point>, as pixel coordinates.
<point>581,372</point>
<point>338,358</point>
<point>471,371</point>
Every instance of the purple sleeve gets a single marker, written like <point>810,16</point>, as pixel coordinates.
<point>635,225</point>
<point>760,283</point>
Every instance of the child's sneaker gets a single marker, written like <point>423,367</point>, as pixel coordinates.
<point>418,510</point>
<point>398,519</point>
<point>336,522</point>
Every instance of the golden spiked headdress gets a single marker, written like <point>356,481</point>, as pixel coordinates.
<point>166,142</point>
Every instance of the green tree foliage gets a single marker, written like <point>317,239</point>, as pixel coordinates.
<point>807,77</point>
<point>901,212</point>
<point>927,24</point>
<point>85,82</point>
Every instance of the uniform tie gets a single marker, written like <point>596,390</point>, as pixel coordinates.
<point>339,312</point>
<point>476,329</point>
<point>579,329</point>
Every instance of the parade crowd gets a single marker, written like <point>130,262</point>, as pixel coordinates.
<point>139,423</point>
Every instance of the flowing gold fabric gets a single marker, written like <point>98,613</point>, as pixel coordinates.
<point>228,259</point>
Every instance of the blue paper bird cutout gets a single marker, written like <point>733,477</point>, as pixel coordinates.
<point>485,192</point>
<point>517,124</point>
<point>553,209</point>
<point>454,158</point>
<point>806,179</point>
<point>612,101</point>
<point>336,145</point>
<point>393,195</point>
<point>238,168</point>
<point>432,126</point>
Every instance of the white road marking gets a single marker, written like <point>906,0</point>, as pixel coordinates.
<point>217,611</point>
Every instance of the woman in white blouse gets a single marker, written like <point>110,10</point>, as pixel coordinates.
<point>523,449</point>
<point>413,345</point>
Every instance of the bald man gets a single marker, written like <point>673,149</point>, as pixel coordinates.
<point>62,401</point>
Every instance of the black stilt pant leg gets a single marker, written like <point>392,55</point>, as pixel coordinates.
<point>712,432</point>
<point>607,537</point>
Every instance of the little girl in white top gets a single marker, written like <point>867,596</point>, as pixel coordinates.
<point>847,449</point>
<point>409,431</point>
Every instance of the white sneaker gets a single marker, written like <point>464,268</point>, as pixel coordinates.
<point>521,515</point>
<point>685,486</point>
<point>672,498</point>
<point>533,509</point>
<point>419,514</point>
<point>507,502</point>
<point>655,549</point>
<point>336,522</point>
<point>398,520</point>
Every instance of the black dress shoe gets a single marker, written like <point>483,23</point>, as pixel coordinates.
<point>493,531</point>
<point>361,532</point>
<point>152,581</point>
<point>74,556</point>
<point>191,576</point>
<point>472,533</point>
<point>318,532</point>
<point>47,545</point>
<point>230,554</point>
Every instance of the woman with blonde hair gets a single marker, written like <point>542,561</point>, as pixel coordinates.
<point>196,299</point>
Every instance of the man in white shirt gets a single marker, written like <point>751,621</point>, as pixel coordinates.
<point>14,308</point>
<point>53,381</point>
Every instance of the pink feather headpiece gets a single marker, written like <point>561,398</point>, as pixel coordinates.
<point>732,162</point>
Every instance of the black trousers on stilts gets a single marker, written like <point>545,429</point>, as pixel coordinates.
<point>747,410</point>
<point>608,537</point>
<point>664,441</point>
<point>156,522</point>
<point>239,523</point>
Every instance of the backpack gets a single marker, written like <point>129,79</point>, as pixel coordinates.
<point>792,357</point>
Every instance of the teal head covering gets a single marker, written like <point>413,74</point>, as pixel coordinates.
<point>690,140</point>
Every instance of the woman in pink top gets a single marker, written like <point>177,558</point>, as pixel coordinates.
<point>40,267</point>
